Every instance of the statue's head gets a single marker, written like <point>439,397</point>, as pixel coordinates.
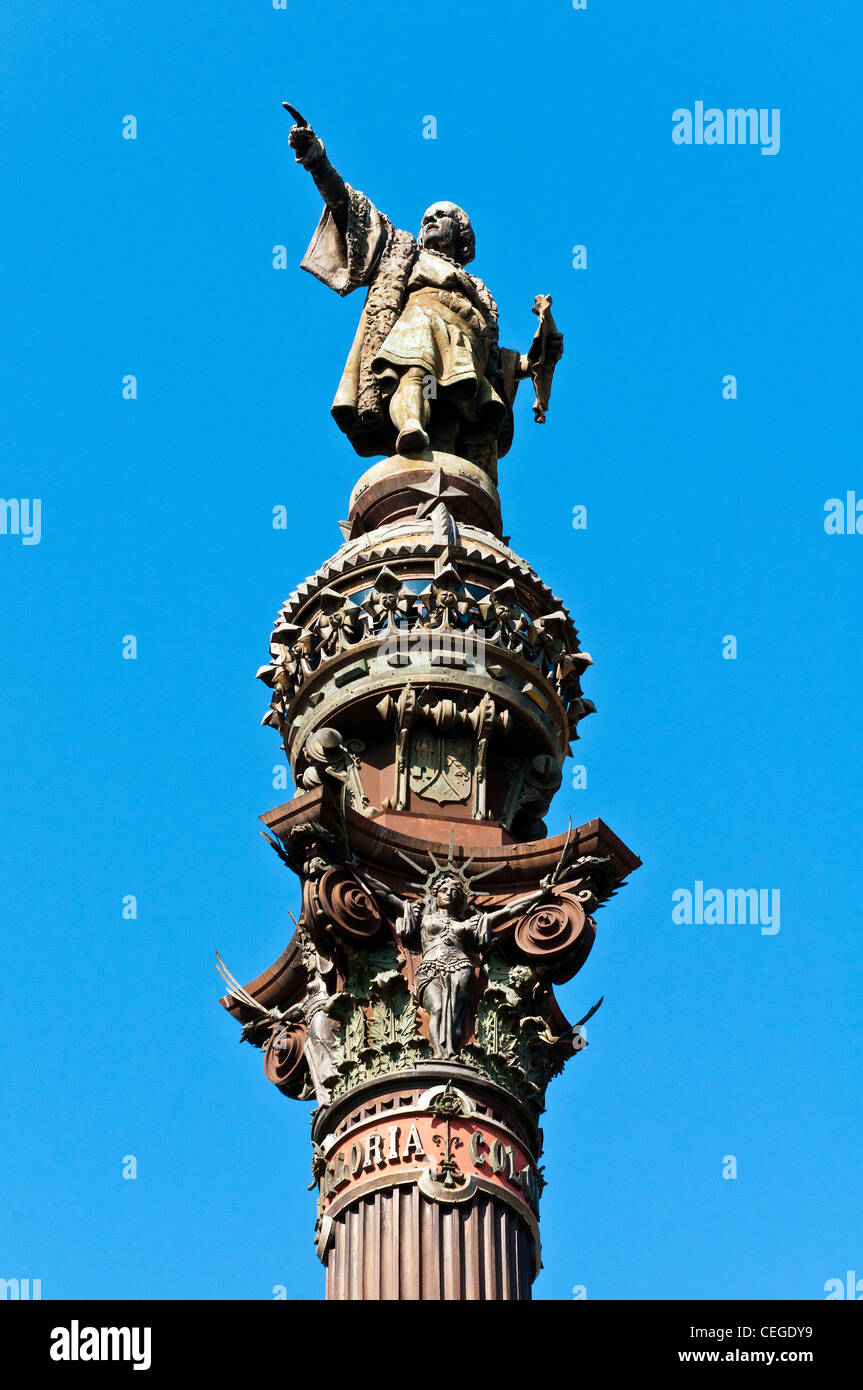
<point>450,895</point>
<point>446,227</point>
<point>309,954</point>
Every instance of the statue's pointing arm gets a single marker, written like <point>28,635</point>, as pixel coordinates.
<point>310,153</point>
<point>346,247</point>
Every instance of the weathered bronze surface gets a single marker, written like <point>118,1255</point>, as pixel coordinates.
<point>425,369</point>
<point>426,686</point>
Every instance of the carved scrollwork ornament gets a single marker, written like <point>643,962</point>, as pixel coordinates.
<point>551,930</point>
<point>352,910</point>
<point>284,1059</point>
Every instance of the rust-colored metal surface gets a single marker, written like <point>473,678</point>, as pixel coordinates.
<point>397,1245</point>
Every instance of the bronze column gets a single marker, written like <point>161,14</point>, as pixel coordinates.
<point>426,685</point>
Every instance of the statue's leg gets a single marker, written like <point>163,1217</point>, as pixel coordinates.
<point>321,1092</point>
<point>410,412</point>
<point>461,984</point>
<point>432,1001</point>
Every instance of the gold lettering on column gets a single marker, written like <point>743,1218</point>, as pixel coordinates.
<point>414,1144</point>
<point>497,1154</point>
<point>341,1175</point>
<point>477,1139</point>
<point>375,1151</point>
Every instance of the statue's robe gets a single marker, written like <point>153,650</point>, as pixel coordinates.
<point>422,310</point>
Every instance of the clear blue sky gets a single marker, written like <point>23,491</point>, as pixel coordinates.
<point>705,518</point>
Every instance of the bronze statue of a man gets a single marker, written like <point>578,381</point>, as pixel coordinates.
<point>425,369</point>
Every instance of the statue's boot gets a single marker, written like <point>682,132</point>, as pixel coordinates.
<point>412,439</point>
<point>409,412</point>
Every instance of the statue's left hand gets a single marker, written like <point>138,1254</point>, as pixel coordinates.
<point>553,347</point>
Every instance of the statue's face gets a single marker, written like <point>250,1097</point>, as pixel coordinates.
<point>439,229</point>
<point>449,895</point>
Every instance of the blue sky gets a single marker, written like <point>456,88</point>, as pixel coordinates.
<point>705,518</point>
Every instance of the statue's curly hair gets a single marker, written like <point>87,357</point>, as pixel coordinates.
<point>467,240</point>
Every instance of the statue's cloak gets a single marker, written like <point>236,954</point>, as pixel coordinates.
<point>368,250</point>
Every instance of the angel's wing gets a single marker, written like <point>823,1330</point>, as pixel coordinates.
<point>238,992</point>
<point>590,1012</point>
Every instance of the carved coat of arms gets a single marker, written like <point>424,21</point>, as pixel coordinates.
<point>441,766</point>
